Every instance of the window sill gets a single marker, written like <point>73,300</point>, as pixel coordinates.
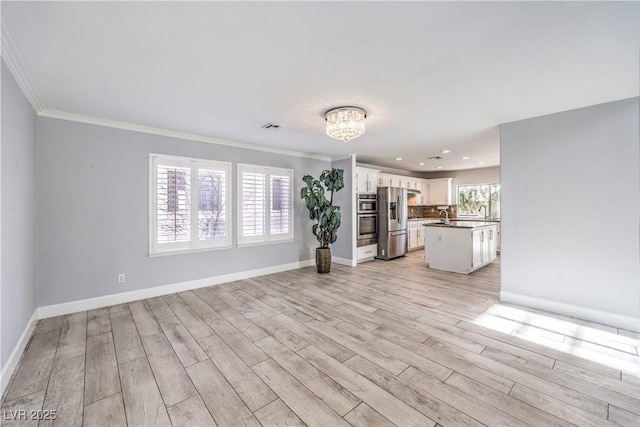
<point>270,242</point>
<point>187,251</point>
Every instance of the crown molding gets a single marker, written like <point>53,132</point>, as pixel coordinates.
<point>62,115</point>
<point>348,156</point>
<point>17,68</point>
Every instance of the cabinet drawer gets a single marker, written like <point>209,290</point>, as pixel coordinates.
<point>367,252</point>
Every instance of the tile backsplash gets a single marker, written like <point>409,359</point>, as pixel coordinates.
<point>431,211</point>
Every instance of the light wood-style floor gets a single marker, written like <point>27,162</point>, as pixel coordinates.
<point>381,344</point>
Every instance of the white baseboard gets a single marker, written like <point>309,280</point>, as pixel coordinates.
<point>107,300</point>
<point>611,319</point>
<point>344,261</point>
<point>10,366</point>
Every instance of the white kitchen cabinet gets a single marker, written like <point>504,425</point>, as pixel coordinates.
<point>420,238</point>
<point>366,253</point>
<point>416,234</point>
<point>415,199</point>
<point>387,180</point>
<point>476,248</point>
<point>366,180</point>
<point>384,180</point>
<point>413,238</point>
<point>489,246</point>
<point>484,246</point>
<point>409,182</point>
<point>439,191</point>
<point>460,249</point>
<point>421,186</point>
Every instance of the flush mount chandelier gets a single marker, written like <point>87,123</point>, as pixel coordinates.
<point>345,123</point>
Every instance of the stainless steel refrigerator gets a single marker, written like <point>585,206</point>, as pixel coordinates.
<point>392,222</point>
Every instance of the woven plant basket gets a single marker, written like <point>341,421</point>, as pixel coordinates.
<point>323,260</point>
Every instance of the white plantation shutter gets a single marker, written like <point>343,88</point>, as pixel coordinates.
<point>174,205</point>
<point>253,203</point>
<point>189,207</point>
<point>280,213</point>
<point>212,204</point>
<point>266,209</point>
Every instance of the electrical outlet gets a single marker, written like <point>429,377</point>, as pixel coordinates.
<point>121,278</point>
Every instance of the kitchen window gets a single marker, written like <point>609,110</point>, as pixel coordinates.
<point>471,198</point>
<point>189,206</point>
<point>265,203</point>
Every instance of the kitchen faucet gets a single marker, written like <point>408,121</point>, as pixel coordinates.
<point>446,213</point>
<point>485,210</point>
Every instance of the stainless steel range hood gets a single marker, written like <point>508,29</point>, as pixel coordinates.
<point>412,191</point>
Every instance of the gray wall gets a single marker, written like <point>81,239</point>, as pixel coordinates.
<point>570,207</point>
<point>93,221</point>
<point>343,247</point>
<point>18,269</point>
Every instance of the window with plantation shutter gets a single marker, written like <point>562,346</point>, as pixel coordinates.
<point>173,209</point>
<point>280,213</point>
<point>253,203</point>
<point>265,204</point>
<point>189,206</point>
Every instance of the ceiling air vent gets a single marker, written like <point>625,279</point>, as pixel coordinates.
<point>271,126</point>
<point>434,158</point>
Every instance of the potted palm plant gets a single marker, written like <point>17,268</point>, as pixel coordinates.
<point>321,209</point>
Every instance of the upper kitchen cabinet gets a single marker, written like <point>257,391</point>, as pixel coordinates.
<point>417,198</point>
<point>396,180</point>
<point>388,180</point>
<point>366,180</point>
<point>384,180</point>
<point>437,191</point>
<point>431,191</point>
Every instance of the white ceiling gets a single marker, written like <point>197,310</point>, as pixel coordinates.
<point>432,75</point>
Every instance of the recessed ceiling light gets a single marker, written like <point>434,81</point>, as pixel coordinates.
<point>438,167</point>
<point>481,163</point>
<point>445,151</point>
<point>398,158</point>
<point>421,164</point>
<point>466,158</point>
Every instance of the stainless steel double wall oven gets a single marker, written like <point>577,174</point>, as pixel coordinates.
<point>367,219</point>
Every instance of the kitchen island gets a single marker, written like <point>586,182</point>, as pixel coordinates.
<point>460,246</point>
